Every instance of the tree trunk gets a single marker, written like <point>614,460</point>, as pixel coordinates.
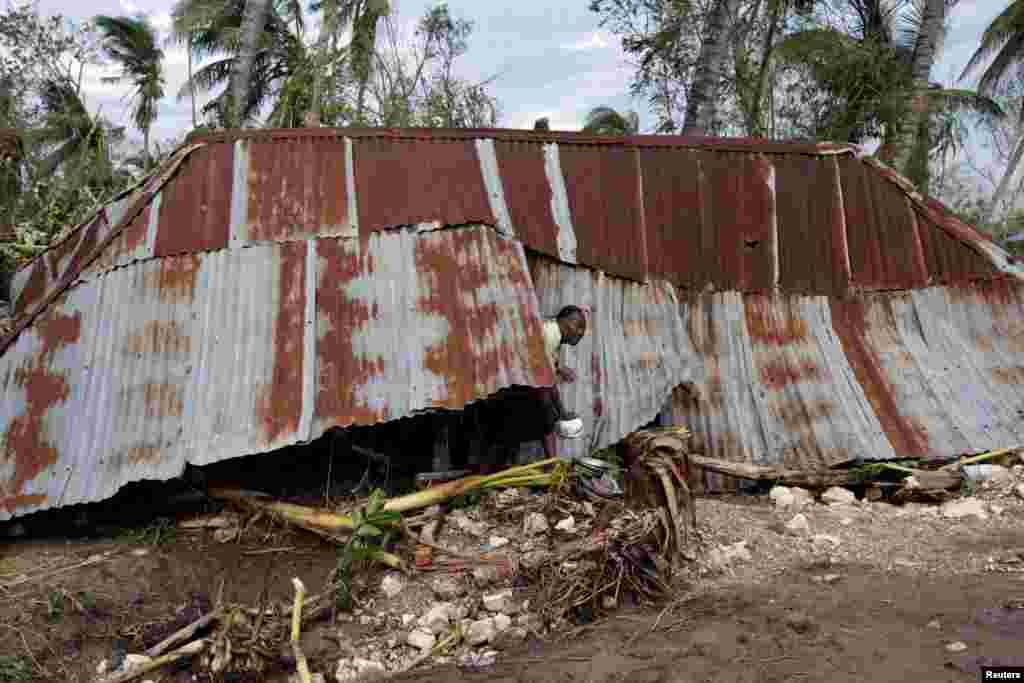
<point>712,62</point>
<point>1004,182</point>
<point>908,126</point>
<point>759,127</point>
<point>241,74</point>
<point>145,148</point>
<point>191,85</point>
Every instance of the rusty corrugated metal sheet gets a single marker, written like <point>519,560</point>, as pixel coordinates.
<point>160,340</point>
<point>400,182</point>
<point>207,356</point>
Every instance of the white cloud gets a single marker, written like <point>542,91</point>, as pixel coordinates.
<point>596,40</point>
<point>128,7</point>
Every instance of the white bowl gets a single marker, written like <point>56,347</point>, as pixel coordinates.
<point>569,429</point>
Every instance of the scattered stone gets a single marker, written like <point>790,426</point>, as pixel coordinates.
<point>958,646</point>
<point>420,639</point>
<point>609,602</point>
<point>828,579</point>
<point>448,588</point>
<point>460,519</point>
<point>782,496</point>
<point>502,622</point>
<point>965,507</point>
<point>822,539</point>
<point>140,552</point>
<point>846,521</point>
<point>529,621</point>
<point>496,542</point>
<point>487,575</point>
<point>408,619</point>
<point>798,525</point>
<point>500,602</point>
<point>392,584</point>
<point>838,496</point>
<point>102,667</point>
<point>437,619</point>
<point>535,523</point>
<point>226,534</point>
<point>481,631</point>
<point>589,511</point>
<point>478,661</point>
<point>358,669</point>
<point>568,525</point>
<point>535,558</point>
<point>996,509</point>
<point>935,624</point>
<point>1019,490</point>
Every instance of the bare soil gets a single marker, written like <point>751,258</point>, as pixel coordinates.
<point>871,593</point>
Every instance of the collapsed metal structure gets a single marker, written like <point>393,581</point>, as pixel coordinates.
<point>267,286</point>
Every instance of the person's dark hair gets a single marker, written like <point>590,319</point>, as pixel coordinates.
<point>570,312</point>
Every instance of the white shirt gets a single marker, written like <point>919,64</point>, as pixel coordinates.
<point>552,341</point>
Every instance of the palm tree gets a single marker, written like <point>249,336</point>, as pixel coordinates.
<point>132,44</point>
<point>364,16</point>
<point>250,32</point>
<point>76,139</point>
<point>607,121</point>
<point>1003,39</point>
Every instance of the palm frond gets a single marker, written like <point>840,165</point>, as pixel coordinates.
<point>1005,29</point>
<point>965,101</point>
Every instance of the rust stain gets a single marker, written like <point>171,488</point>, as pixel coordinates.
<point>596,376</point>
<point>341,371</point>
<point>778,374</point>
<point>176,278</point>
<point>276,405</point>
<point>521,282</point>
<point>25,439</point>
<point>1013,375</point>
<point>163,399</point>
<point>34,290</point>
<point>765,326</point>
<point>159,336</point>
<point>800,415</point>
<point>462,358</point>
<point>850,323</point>
<point>195,212</point>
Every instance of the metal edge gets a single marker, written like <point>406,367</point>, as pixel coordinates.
<point>567,244</point>
<point>488,158</point>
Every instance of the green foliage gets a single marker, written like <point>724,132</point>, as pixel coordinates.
<point>968,487</point>
<point>372,529</point>
<point>86,599</point>
<point>15,669</point>
<point>55,602</point>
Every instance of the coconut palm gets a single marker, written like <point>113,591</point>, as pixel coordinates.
<point>607,121</point>
<point>710,70</point>
<point>1003,40</point>
<point>76,139</point>
<point>132,44</point>
<point>364,17</point>
<point>250,32</point>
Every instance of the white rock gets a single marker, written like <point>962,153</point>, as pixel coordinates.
<point>838,496</point>
<point>1019,490</point>
<point>358,669</point>
<point>478,660</point>
<point>502,622</point>
<point>935,624</point>
<point>846,521</point>
<point>568,525</point>
<point>498,541</point>
<point>500,602</point>
<point>448,588</point>
<point>965,507</point>
<point>589,511</point>
<point>996,509</point>
<point>460,519</point>
<point>366,666</point>
<point>480,631</point>
<point>140,552</point>
<point>958,646</point>
<point>822,539</point>
<point>438,618</point>
<point>781,496</point>
<point>102,667</point>
<point>134,661</point>
<point>799,525</point>
<point>420,639</point>
<point>535,523</point>
<point>392,584</point>
<point>408,619</point>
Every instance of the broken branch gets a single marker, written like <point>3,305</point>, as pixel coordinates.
<point>183,652</point>
<point>184,634</point>
<point>300,659</point>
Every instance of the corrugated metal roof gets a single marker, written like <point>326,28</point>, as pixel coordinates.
<point>267,287</point>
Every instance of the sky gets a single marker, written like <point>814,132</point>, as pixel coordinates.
<point>551,57</point>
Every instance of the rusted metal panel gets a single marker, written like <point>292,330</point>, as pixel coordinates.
<point>672,216</point>
<point>296,189</point>
<point>884,253</point>
<point>738,220</point>
<point>195,211</point>
<point>412,321</point>
<point>949,260</point>
<point>528,195</point>
<point>812,241</point>
<point>603,189</point>
<point>29,286</point>
<point>400,183</point>
<point>127,247</point>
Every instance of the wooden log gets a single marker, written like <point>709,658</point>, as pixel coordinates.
<point>784,477</point>
<point>183,634</point>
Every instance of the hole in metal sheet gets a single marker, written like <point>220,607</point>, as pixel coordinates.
<point>750,244</point>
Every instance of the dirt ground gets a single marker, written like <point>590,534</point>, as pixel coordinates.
<point>868,592</point>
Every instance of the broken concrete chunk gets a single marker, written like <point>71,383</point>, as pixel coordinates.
<point>798,525</point>
<point>502,622</point>
<point>965,507</point>
<point>535,523</point>
<point>392,584</point>
<point>357,669</point>
<point>785,497</point>
<point>838,496</point>
<point>568,525</point>
<point>500,602</point>
<point>958,646</point>
<point>437,618</point>
<point>447,588</point>
<point>423,640</point>
<point>481,631</point>
<point>497,542</point>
